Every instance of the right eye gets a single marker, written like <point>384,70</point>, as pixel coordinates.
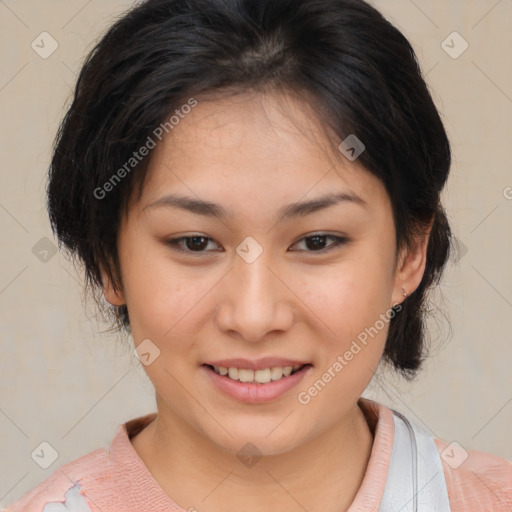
<point>190,244</point>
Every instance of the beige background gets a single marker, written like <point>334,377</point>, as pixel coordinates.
<point>64,383</point>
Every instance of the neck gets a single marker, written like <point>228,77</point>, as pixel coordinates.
<point>324,473</point>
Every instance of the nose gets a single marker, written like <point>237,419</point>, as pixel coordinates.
<point>255,300</point>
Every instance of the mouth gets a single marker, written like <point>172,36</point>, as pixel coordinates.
<point>261,376</point>
<point>258,386</point>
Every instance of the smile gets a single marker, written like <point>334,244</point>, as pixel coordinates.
<point>255,386</point>
<point>262,376</point>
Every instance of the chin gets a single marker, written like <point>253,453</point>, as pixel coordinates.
<point>266,440</point>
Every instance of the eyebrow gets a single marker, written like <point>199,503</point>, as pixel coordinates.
<point>293,210</point>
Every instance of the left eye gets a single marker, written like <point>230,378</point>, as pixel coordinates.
<point>314,243</point>
<point>317,241</point>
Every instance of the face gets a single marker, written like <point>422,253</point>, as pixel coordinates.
<point>269,271</point>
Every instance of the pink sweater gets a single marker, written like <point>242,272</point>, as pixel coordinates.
<point>117,480</point>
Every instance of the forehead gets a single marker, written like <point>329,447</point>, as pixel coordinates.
<point>264,148</point>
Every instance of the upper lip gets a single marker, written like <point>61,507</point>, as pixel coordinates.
<point>258,364</point>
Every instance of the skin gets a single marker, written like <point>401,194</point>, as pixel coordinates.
<point>253,154</point>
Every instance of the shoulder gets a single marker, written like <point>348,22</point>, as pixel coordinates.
<point>475,480</point>
<point>99,480</point>
<point>65,488</point>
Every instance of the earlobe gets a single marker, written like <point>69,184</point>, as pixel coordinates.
<point>113,296</point>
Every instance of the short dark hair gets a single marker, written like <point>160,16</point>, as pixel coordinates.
<point>360,72</point>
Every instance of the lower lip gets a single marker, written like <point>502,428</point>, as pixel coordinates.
<point>252,392</point>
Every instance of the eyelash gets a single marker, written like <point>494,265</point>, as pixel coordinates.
<point>338,241</point>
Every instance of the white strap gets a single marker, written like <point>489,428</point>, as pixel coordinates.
<point>415,481</point>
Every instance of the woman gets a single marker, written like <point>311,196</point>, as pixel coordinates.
<point>254,187</point>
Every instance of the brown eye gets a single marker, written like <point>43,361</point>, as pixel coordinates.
<point>316,242</point>
<point>195,243</point>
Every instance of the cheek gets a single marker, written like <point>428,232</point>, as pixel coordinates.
<point>156,294</point>
<point>351,301</point>
<point>168,303</point>
<point>347,296</point>
<point>160,303</point>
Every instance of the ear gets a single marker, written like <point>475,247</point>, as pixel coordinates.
<point>411,266</point>
<point>114,296</point>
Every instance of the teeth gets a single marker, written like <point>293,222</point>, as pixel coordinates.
<point>260,376</point>
<point>244,375</point>
<point>276,373</point>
